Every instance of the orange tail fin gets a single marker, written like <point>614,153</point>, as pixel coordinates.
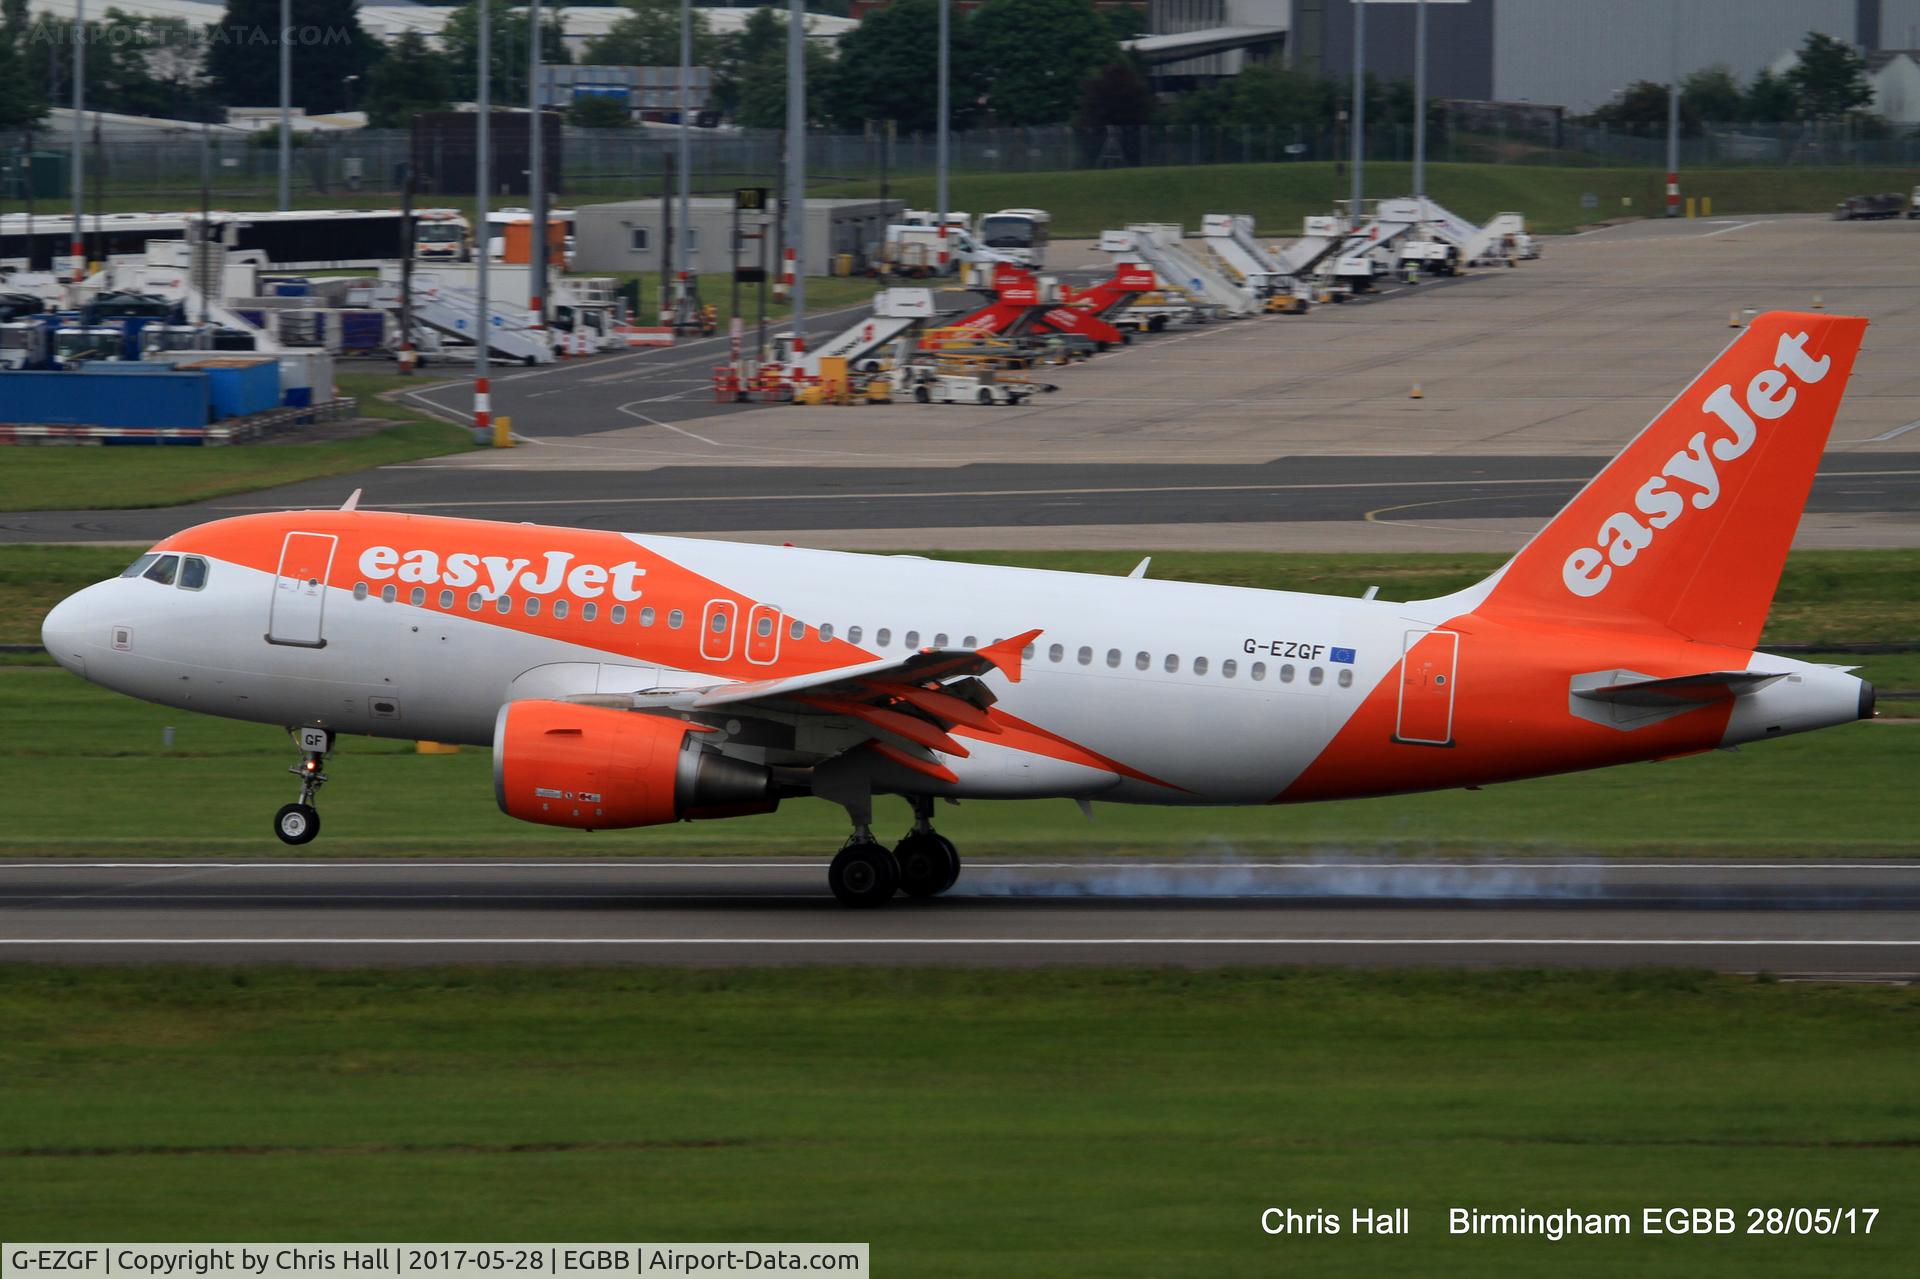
<point>1688,528</point>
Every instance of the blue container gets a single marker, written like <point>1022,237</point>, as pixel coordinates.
<point>244,388</point>
<point>291,289</point>
<point>361,330</point>
<point>131,395</point>
<point>299,397</point>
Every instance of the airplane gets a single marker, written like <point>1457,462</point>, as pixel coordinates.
<point>625,680</point>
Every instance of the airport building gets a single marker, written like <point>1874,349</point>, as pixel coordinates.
<point>626,235</point>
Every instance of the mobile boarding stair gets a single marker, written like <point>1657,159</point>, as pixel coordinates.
<point>1229,239</point>
<point>897,313</point>
<point>1161,247</point>
<point>1501,241</point>
<point>1379,240</point>
<point>513,331</point>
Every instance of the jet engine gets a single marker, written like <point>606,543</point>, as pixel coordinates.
<point>595,768</point>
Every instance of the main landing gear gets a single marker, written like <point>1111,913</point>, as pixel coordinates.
<point>299,822</point>
<point>923,864</point>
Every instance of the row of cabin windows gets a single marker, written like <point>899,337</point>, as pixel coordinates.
<point>882,638</point>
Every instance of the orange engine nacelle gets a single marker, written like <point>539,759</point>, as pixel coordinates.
<point>562,764</point>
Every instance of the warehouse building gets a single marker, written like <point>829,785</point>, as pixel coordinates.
<point>626,235</point>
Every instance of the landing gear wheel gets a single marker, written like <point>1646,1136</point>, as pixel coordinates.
<point>929,864</point>
<point>296,823</point>
<point>864,875</point>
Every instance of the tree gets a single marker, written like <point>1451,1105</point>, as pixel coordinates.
<point>598,111</point>
<point>762,81</point>
<point>1642,108</point>
<point>1830,79</point>
<point>648,35</point>
<point>1714,95</point>
<point>1770,99</point>
<point>890,48</point>
<point>243,54</point>
<point>507,41</point>
<point>411,79</point>
<point>1117,95</point>
<point>21,103</point>
<point>1035,55</point>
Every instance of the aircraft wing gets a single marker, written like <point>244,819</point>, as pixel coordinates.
<point>905,709</point>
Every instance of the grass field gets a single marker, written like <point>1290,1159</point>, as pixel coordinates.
<point>964,1123</point>
<point>1845,790</point>
<point>1085,203</point>
<point>56,478</point>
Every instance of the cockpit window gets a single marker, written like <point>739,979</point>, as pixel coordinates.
<point>140,565</point>
<point>163,570</point>
<point>193,573</point>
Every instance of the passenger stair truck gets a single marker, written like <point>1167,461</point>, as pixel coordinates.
<point>1020,298</point>
<point>1373,247</point>
<point>1229,240</point>
<point>1090,312</point>
<point>513,332</point>
<point>1161,247</point>
<point>175,269</point>
<point>1503,239</point>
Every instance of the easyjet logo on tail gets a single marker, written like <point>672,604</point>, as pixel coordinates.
<point>1691,476</point>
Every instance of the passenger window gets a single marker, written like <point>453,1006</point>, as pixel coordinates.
<point>139,567</point>
<point>418,596</point>
<point>675,620</point>
<point>618,615</point>
<point>913,639</point>
<point>163,570</point>
<point>719,623</point>
<point>446,599</point>
<point>971,641</point>
<point>853,635</point>
<point>359,590</point>
<point>1257,671</point>
<point>1085,655</point>
<point>1286,673</point>
<point>1229,668</point>
<point>503,604</point>
<point>1346,679</point>
<point>1173,663</point>
<point>646,615</point>
<point>193,573</point>
<point>474,600</point>
<point>389,593</point>
<point>1316,676</point>
<point>1056,652</point>
<point>883,637</point>
<point>559,608</point>
<point>1113,657</point>
<point>826,631</point>
<point>589,611</point>
<point>940,640</point>
<point>1199,666</point>
<point>795,630</point>
<point>533,606</point>
<point>1141,661</point>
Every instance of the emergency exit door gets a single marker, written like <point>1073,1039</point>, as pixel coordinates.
<point>300,590</point>
<point>1427,662</point>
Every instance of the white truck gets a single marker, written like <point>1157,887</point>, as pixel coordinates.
<point>930,385</point>
<point>920,251</point>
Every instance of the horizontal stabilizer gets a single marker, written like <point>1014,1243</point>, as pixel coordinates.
<point>1709,686</point>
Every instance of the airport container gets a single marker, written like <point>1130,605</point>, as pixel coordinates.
<point>238,384</point>
<point>306,376</point>
<point>130,395</point>
<point>363,330</point>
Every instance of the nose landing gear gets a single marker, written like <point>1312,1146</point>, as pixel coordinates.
<point>299,822</point>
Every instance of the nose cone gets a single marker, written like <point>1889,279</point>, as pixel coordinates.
<point>64,630</point>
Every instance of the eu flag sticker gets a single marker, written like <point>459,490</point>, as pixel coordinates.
<point>1340,655</point>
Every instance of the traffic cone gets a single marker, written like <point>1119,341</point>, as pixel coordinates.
<point>1819,304</point>
<point>1416,394</point>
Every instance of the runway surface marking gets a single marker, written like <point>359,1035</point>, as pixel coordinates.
<point>1895,433</point>
<point>954,941</point>
<point>479,863</point>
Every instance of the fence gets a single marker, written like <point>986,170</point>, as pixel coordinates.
<point>145,170</point>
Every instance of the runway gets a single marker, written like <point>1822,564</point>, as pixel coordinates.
<point>1855,920</point>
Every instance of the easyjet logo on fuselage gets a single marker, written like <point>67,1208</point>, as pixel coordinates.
<point>1623,535</point>
<point>496,575</point>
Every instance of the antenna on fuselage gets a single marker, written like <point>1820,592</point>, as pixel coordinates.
<point>1140,569</point>
<point>353,501</point>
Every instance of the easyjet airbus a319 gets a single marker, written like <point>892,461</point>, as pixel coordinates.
<point>625,680</point>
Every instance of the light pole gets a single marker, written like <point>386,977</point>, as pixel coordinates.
<point>1673,113</point>
<point>286,106</point>
<point>78,245</point>
<point>683,260</point>
<point>941,111</point>
<point>483,180</point>
<point>1358,138</point>
<point>794,207</point>
<point>537,175</point>
<point>1420,100</point>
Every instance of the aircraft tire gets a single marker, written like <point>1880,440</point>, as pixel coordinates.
<point>864,875</point>
<point>296,823</point>
<point>929,864</point>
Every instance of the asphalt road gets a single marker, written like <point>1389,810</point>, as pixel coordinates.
<point>1853,919</point>
<point>779,500</point>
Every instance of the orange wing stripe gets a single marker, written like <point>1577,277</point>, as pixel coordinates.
<point>931,768</point>
<point>907,726</point>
